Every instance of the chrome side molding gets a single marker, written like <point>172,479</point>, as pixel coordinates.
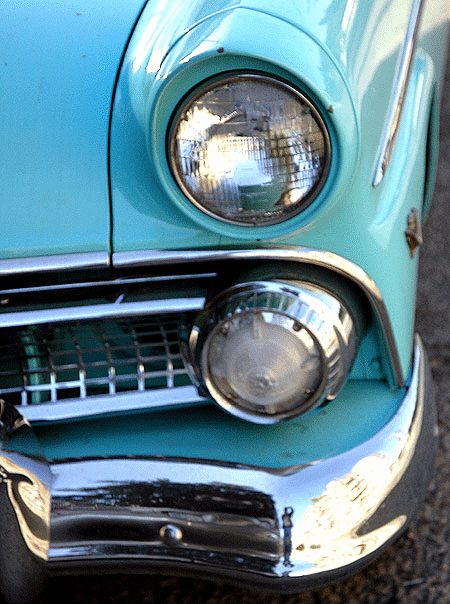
<point>397,103</point>
<point>62,262</point>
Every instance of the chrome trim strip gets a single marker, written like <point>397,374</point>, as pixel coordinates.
<point>44,264</point>
<point>119,282</point>
<point>161,399</point>
<point>284,529</point>
<point>403,72</point>
<point>100,311</point>
<point>305,255</point>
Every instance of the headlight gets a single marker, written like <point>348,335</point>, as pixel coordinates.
<point>270,351</point>
<point>249,150</point>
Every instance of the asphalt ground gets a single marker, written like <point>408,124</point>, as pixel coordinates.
<point>416,569</point>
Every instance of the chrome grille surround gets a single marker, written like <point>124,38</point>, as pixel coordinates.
<point>143,284</point>
<point>85,368</point>
<point>73,348</point>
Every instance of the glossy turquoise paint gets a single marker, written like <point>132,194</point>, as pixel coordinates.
<point>341,53</point>
<point>58,65</point>
<point>208,433</point>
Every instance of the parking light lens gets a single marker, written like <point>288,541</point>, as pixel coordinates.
<point>271,351</point>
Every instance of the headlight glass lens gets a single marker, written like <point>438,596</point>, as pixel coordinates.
<point>249,150</point>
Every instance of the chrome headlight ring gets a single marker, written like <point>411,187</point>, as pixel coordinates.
<point>249,150</point>
<point>270,351</point>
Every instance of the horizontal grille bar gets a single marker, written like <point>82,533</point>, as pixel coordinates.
<point>101,311</point>
<point>161,400</point>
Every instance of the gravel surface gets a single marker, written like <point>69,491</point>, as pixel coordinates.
<point>416,569</point>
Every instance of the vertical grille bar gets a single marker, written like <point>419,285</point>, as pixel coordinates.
<point>169,363</point>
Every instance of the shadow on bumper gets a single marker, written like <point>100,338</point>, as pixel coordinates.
<point>288,530</point>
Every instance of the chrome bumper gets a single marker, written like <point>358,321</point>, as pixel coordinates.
<point>288,530</point>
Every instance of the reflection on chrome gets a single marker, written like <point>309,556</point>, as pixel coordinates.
<point>28,495</point>
<point>333,530</point>
<point>342,510</point>
<point>24,509</point>
<point>30,500</point>
<point>189,521</point>
<point>287,535</point>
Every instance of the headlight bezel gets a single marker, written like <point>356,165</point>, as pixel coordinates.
<point>201,90</point>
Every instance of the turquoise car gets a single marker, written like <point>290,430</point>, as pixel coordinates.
<point>210,219</point>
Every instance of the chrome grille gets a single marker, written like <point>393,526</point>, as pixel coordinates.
<point>77,360</point>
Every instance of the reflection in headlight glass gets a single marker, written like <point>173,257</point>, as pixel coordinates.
<point>250,151</point>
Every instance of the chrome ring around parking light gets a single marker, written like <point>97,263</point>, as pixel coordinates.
<point>270,351</point>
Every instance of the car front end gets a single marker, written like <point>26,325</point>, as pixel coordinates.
<point>211,217</point>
